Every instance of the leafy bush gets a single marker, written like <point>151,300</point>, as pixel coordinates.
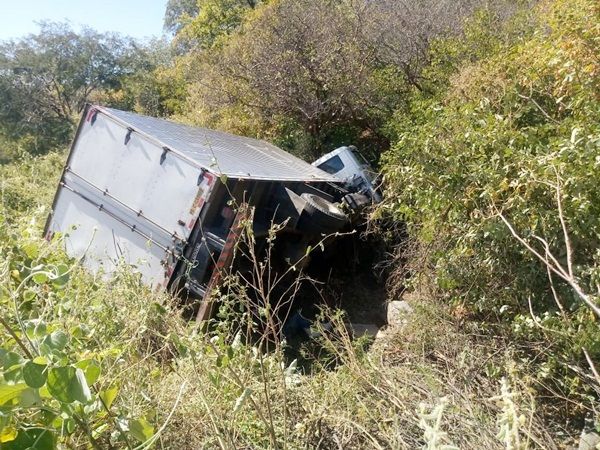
<point>47,78</point>
<point>516,136</point>
<point>55,357</point>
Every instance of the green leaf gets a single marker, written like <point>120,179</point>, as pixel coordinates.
<point>69,425</point>
<point>160,309</point>
<point>8,434</point>
<point>34,374</point>
<point>61,269</point>
<point>29,397</point>
<point>31,250</point>
<point>9,359</point>
<point>35,328</point>
<point>80,331</point>
<point>239,402</point>
<point>108,396</point>
<point>68,384</point>
<point>40,360</point>
<point>11,362</point>
<point>65,424</point>
<point>31,439</point>
<point>29,295</point>
<point>91,369</point>
<point>80,389</point>
<point>44,392</point>
<point>54,342</point>
<point>9,392</point>
<point>40,277</point>
<point>59,380</point>
<point>141,429</point>
<point>62,275</point>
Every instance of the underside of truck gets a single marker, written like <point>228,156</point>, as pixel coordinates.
<point>282,221</point>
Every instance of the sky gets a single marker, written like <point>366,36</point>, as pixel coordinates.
<point>136,18</point>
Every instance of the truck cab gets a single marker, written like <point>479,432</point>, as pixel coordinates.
<point>351,167</point>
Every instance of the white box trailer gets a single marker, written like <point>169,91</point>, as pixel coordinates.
<point>165,197</point>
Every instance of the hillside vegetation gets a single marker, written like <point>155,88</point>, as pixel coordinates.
<point>485,122</point>
<point>496,177</point>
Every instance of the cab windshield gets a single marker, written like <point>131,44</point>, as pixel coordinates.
<point>361,159</point>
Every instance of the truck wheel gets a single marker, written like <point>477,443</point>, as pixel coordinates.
<point>356,201</point>
<point>323,213</point>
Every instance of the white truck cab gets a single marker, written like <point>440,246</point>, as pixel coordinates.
<point>347,164</point>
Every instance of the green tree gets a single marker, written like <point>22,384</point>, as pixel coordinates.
<point>210,21</point>
<point>312,75</point>
<point>509,149</point>
<point>152,84</point>
<point>46,79</point>
<point>178,12</point>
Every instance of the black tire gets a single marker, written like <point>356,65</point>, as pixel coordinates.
<point>356,201</point>
<point>324,214</point>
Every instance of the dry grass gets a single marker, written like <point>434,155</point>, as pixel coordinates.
<point>386,396</point>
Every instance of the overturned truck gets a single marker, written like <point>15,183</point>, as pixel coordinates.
<point>170,199</point>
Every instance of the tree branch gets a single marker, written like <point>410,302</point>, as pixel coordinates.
<point>554,266</point>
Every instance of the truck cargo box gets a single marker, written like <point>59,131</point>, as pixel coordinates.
<point>135,189</point>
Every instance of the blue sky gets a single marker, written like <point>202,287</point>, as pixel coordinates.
<point>137,18</point>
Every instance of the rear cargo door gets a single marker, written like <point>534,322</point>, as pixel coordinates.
<point>125,197</point>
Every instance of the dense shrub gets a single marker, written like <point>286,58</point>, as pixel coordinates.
<point>516,134</point>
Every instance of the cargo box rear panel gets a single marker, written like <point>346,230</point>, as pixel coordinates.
<point>123,197</point>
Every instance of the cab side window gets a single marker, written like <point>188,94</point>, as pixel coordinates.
<point>332,165</point>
